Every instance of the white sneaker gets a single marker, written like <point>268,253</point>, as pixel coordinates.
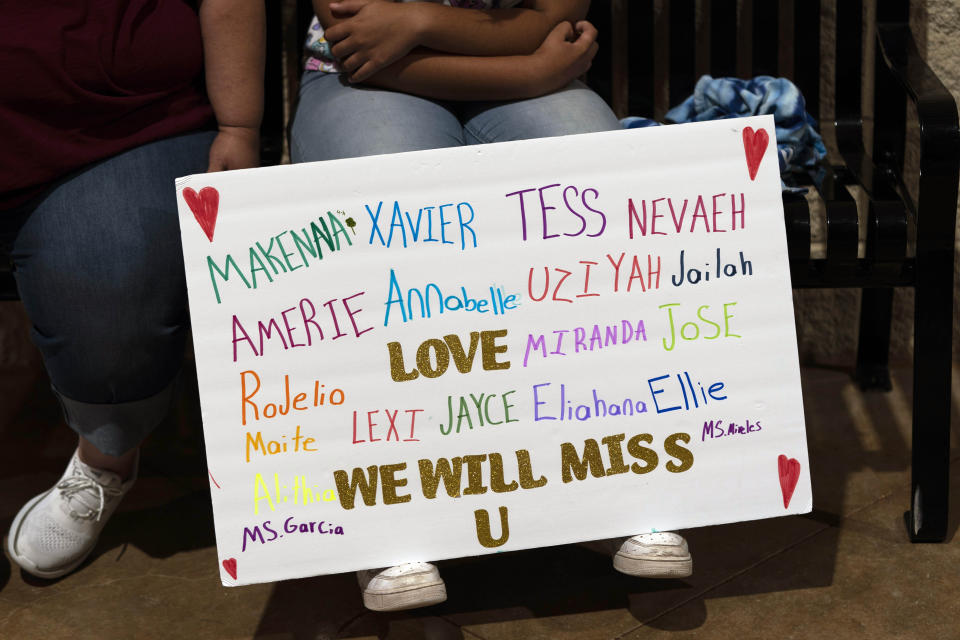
<point>406,586</point>
<point>655,555</point>
<point>54,532</point>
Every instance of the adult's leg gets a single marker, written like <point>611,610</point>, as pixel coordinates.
<point>100,272</point>
<point>335,120</point>
<point>573,109</point>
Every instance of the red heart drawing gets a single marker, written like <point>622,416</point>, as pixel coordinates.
<point>204,206</point>
<point>754,145</point>
<point>789,470</point>
<point>231,566</point>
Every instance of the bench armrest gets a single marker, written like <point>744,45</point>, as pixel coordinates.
<point>939,134</point>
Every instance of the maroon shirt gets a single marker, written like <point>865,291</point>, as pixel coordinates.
<point>82,80</point>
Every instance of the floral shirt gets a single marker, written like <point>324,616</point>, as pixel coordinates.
<point>319,57</point>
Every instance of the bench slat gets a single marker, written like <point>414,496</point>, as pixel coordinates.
<point>641,47</point>
<point>682,61</point>
<point>766,37</point>
<point>806,53</point>
<point>843,229</point>
<point>723,38</point>
<point>848,76</point>
<point>796,213</point>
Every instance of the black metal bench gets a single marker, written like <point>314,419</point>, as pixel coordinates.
<point>651,60</point>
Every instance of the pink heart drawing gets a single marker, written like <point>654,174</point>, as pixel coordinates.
<point>230,565</point>
<point>789,470</point>
<point>754,146</point>
<point>204,206</point>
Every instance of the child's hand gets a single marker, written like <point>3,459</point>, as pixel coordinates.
<point>566,53</point>
<point>375,35</point>
<point>235,148</point>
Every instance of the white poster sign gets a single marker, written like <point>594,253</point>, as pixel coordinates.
<point>456,352</point>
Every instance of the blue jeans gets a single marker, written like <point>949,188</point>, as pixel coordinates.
<point>337,120</point>
<point>99,268</point>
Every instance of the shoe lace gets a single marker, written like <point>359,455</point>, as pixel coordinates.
<point>75,486</point>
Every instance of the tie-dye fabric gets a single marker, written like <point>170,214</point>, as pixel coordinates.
<point>320,58</point>
<point>799,146</point>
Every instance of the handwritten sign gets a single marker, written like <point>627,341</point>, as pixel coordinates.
<point>463,351</point>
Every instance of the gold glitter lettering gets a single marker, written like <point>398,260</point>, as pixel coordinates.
<point>475,484</point>
<point>496,476</point>
<point>526,471</point>
<point>423,358</point>
<point>489,349</point>
<point>389,483</point>
<point>615,451</point>
<point>463,361</point>
<point>398,371</point>
<point>347,489</point>
<point>642,453</point>
<point>572,465</point>
<point>684,455</point>
<point>431,476</point>
<point>482,519</point>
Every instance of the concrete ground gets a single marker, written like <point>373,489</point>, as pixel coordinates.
<point>844,571</point>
